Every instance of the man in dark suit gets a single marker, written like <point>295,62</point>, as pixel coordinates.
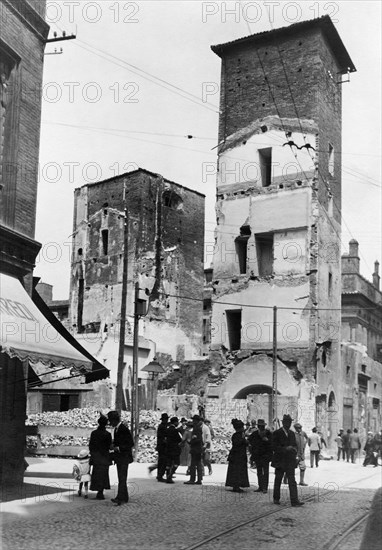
<point>260,442</point>
<point>122,446</point>
<point>173,441</point>
<point>284,460</point>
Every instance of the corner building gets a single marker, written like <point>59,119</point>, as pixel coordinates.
<point>278,220</point>
<point>22,43</point>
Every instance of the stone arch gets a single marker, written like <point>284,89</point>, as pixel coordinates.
<point>257,371</point>
<point>332,422</point>
<point>257,389</point>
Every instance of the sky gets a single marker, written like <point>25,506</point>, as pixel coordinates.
<point>140,78</point>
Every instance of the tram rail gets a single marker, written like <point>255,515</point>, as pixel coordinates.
<point>334,544</point>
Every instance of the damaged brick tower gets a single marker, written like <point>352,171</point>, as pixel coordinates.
<point>165,256</point>
<point>279,220</point>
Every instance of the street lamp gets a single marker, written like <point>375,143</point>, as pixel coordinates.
<point>153,369</point>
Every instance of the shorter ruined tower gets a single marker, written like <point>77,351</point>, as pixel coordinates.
<point>165,256</point>
<point>279,213</point>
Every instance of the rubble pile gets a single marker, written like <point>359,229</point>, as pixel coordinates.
<point>148,420</point>
<point>55,440</point>
<point>146,449</point>
<point>77,418</point>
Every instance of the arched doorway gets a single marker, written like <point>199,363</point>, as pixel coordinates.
<point>332,424</point>
<point>259,401</point>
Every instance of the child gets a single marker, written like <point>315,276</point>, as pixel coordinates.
<point>81,472</point>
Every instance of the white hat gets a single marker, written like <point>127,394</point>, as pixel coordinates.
<point>83,454</point>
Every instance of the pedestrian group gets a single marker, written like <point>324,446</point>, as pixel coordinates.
<point>189,443</point>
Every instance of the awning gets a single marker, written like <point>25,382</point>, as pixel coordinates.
<point>99,371</point>
<point>26,333</point>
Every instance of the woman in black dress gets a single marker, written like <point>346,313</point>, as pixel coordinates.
<point>99,447</point>
<point>237,473</point>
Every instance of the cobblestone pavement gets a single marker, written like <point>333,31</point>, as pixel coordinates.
<point>178,516</point>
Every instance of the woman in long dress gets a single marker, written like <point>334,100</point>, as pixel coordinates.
<point>99,447</point>
<point>237,472</point>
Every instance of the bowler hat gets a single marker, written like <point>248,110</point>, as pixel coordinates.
<point>83,454</point>
<point>287,418</point>
<point>261,422</point>
<point>164,416</point>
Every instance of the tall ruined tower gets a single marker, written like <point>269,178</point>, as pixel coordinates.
<point>278,217</point>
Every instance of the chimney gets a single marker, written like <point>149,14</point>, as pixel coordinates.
<point>353,248</point>
<point>376,277</point>
<point>353,258</point>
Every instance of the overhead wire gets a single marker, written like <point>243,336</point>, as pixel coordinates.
<point>119,133</point>
<point>179,296</point>
<point>314,160</point>
<point>147,76</point>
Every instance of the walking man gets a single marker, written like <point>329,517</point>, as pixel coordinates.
<point>122,446</point>
<point>355,444</point>
<point>161,449</point>
<point>301,440</point>
<point>207,446</point>
<point>260,442</point>
<point>284,460</point>
<point>346,440</point>
<point>196,450</point>
<point>340,445</point>
<point>173,441</point>
<point>315,447</point>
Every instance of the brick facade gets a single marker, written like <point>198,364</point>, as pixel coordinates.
<point>279,188</point>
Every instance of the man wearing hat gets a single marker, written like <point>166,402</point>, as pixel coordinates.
<point>122,446</point>
<point>260,442</point>
<point>161,449</point>
<point>285,460</point>
<point>196,450</point>
<point>301,440</point>
<point>173,441</point>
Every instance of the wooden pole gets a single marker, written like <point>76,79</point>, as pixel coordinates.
<point>274,369</point>
<point>121,350</point>
<point>135,389</point>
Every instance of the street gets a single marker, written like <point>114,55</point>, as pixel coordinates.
<point>48,514</point>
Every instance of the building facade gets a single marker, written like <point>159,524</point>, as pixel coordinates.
<point>23,35</point>
<point>32,342</point>
<point>165,256</point>
<point>278,218</point>
<point>361,360</point>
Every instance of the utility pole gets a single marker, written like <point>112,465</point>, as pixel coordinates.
<point>274,369</point>
<point>119,398</point>
<point>135,388</point>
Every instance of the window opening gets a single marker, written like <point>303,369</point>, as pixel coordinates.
<point>207,304</point>
<point>234,328</point>
<point>331,160</point>
<point>241,245</point>
<point>105,241</point>
<point>172,200</point>
<point>330,284</point>
<point>80,305</point>
<point>264,251</point>
<point>265,160</point>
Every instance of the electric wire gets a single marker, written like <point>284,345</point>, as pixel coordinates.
<point>147,76</point>
<point>318,168</point>
<point>258,306</point>
<point>362,178</point>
